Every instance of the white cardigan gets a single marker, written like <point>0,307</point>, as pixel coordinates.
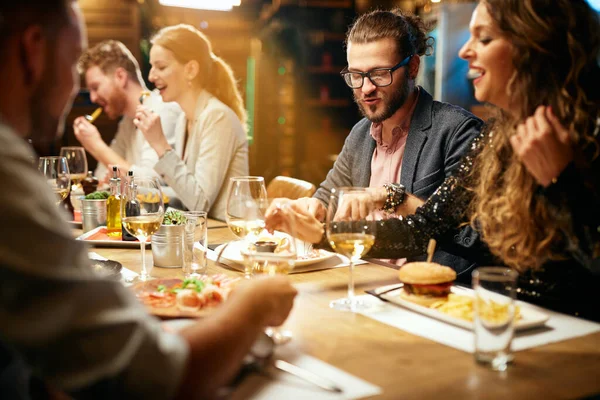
<point>216,150</point>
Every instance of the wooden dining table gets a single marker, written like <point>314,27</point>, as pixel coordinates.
<point>406,366</point>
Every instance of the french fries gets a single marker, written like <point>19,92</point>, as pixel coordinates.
<point>151,198</point>
<point>94,116</point>
<point>462,307</point>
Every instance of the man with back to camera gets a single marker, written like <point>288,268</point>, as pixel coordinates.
<point>60,325</point>
<point>114,79</point>
<point>406,140</point>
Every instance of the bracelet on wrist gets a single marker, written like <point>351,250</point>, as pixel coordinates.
<point>395,196</point>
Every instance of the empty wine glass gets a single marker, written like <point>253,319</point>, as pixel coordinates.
<point>352,238</point>
<point>142,211</point>
<point>274,254</point>
<point>246,207</point>
<point>56,171</point>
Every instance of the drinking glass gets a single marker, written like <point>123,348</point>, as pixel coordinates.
<point>494,315</point>
<point>142,212</point>
<point>77,161</point>
<point>246,206</point>
<point>349,238</point>
<point>274,254</point>
<point>56,171</point>
<point>195,244</point>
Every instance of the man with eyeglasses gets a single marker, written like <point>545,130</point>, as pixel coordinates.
<point>407,141</point>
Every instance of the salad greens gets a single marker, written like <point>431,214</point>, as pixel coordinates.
<point>99,195</point>
<point>174,217</point>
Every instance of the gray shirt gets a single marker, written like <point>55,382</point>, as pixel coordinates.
<point>68,326</point>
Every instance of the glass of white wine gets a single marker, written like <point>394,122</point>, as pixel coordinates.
<point>142,211</point>
<point>274,254</point>
<point>56,171</point>
<point>246,207</point>
<point>77,162</point>
<point>350,238</point>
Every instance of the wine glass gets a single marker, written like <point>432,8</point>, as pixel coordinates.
<point>77,161</point>
<point>352,238</point>
<point>274,254</point>
<point>56,171</point>
<point>142,211</point>
<point>246,207</point>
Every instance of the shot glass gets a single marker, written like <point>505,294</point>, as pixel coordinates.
<point>494,315</point>
<point>195,244</point>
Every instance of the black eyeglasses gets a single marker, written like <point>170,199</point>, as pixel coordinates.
<point>379,77</point>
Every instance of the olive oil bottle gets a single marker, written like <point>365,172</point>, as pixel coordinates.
<point>113,206</point>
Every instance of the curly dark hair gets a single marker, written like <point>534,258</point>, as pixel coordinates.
<point>409,31</point>
<point>555,48</point>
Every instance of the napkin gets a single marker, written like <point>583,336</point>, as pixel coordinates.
<point>558,327</point>
<point>275,384</point>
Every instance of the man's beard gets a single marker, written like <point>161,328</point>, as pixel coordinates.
<point>390,106</point>
<point>118,103</point>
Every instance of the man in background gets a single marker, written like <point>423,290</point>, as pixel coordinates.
<point>405,138</point>
<point>114,79</point>
<point>61,327</point>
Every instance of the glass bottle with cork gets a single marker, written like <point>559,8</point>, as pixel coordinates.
<point>132,207</point>
<point>113,205</point>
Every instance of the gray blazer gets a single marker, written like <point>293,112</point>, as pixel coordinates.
<point>438,138</point>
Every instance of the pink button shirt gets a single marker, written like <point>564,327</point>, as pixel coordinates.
<point>386,164</point>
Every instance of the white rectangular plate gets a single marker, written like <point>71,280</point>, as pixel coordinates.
<point>530,317</point>
<point>107,242</point>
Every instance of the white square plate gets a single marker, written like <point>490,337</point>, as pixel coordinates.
<point>530,316</point>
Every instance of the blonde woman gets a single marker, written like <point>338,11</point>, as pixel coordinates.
<point>211,141</point>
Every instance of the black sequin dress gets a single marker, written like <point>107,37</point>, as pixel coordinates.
<point>569,286</point>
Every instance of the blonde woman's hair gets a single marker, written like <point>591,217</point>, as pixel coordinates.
<point>555,48</point>
<point>189,44</point>
<point>108,56</point>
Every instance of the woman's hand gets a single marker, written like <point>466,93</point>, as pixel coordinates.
<point>543,145</point>
<point>307,227</point>
<point>149,124</point>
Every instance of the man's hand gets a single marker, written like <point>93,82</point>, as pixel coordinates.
<point>305,226</point>
<point>309,206</point>
<point>360,205</point>
<point>271,298</point>
<point>87,134</point>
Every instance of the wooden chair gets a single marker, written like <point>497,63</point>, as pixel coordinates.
<point>292,188</point>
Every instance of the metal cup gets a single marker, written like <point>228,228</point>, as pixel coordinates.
<point>93,213</point>
<point>166,246</point>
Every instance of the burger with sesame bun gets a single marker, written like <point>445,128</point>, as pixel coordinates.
<point>425,282</point>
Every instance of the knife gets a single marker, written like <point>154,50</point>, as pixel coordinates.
<point>307,376</point>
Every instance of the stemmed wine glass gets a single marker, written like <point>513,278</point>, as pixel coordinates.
<point>142,211</point>
<point>56,171</point>
<point>77,161</point>
<point>246,207</point>
<point>350,237</point>
<point>274,254</point>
